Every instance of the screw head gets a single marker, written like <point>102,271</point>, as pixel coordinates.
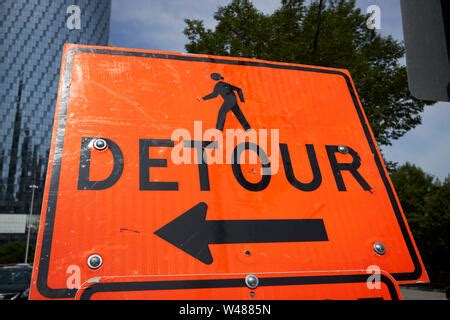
<point>248,253</point>
<point>94,261</point>
<point>251,281</point>
<point>343,149</point>
<point>100,144</point>
<point>379,248</point>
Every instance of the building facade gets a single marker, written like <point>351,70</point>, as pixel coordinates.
<point>32,35</point>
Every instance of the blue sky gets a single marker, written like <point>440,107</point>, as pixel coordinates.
<point>158,24</point>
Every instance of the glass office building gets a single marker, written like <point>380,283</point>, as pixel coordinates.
<point>32,35</point>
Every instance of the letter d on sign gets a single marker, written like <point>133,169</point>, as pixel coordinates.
<point>84,183</point>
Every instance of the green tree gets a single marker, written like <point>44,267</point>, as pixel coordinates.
<point>437,208</point>
<point>344,41</point>
<point>413,186</point>
<point>426,203</point>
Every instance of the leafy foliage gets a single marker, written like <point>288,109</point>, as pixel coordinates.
<point>344,41</point>
<point>426,203</point>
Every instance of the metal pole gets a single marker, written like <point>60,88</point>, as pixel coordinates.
<point>33,187</point>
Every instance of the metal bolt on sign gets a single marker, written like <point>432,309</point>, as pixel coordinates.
<point>94,261</point>
<point>343,149</point>
<point>251,281</point>
<point>379,248</point>
<point>100,144</point>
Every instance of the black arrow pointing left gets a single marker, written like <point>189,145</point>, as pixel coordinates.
<point>192,233</point>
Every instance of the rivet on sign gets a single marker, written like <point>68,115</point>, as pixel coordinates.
<point>247,253</point>
<point>379,248</point>
<point>252,294</point>
<point>100,144</point>
<point>251,281</point>
<point>94,261</point>
<point>343,149</point>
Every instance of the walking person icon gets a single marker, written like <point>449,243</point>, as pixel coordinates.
<point>226,91</point>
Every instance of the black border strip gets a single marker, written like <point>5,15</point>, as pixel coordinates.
<point>44,259</point>
<point>233,283</point>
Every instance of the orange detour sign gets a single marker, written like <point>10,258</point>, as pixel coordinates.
<point>185,167</point>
